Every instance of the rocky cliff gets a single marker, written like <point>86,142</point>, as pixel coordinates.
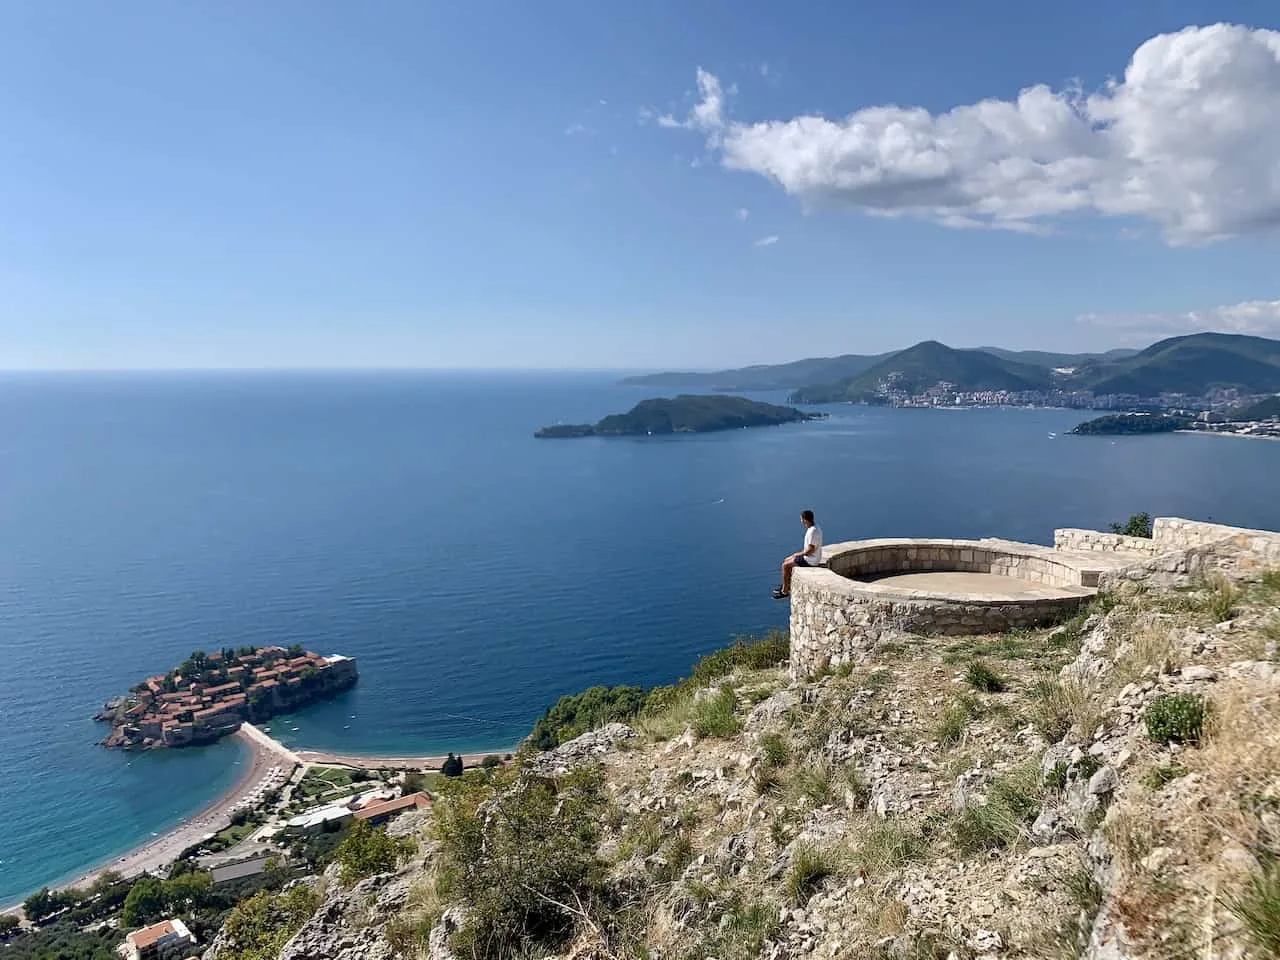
<point>1106,789</point>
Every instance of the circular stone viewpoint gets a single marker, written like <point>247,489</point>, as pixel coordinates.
<point>946,587</point>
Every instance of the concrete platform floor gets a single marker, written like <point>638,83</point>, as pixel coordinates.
<point>990,586</point>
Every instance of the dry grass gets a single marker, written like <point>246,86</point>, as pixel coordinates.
<point>1236,783</point>
<point>1061,705</point>
<point>1150,651</point>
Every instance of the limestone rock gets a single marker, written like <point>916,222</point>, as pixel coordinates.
<point>588,748</point>
<point>351,923</point>
<point>1103,782</point>
<point>1197,672</point>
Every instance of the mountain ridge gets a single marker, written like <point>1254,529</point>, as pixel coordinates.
<point>1192,364</point>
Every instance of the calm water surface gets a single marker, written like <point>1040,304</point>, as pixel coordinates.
<point>412,521</point>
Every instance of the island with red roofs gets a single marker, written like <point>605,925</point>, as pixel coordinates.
<point>210,694</point>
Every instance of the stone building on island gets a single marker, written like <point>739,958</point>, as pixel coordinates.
<point>210,695</point>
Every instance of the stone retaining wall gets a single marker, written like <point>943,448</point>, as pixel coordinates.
<point>836,621</point>
<point>1091,540</point>
<point>871,558</point>
<point>1255,547</point>
<point>839,614</point>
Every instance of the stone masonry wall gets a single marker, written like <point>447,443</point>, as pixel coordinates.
<point>1249,548</point>
<point>836,624</point>
<point>1094,541</point>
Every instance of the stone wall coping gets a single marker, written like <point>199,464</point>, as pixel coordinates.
<point>826,581</point>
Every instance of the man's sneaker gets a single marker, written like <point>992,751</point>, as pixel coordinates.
<point>779,595</point>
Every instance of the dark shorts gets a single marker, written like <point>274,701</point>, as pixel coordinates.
<point>802,562</point>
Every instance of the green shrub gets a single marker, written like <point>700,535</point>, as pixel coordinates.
<point>980,676</point>
<point>515,849</point>
<point>776,749</point>
<point>955,720</point>
<point>714,715</point>
<point>258,928</point>
<point>887,846</point>
<point>674,856</point>
<point>642,836</point>
<point>1138,525</point>
<point>1258,908</point>
<point>810,866</point>
<point>367,850</point>
<point>1175,718</point>
<point>574,715</point>
<point>768,651</point>
<point>1012,803</point>
<point>811,783</point>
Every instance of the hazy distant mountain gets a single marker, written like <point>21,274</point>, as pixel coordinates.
<point>1194,364</point>
<point>918,368</point>
<point>1041,358</point>
<point>1268,409</point>
<point>782,376</point>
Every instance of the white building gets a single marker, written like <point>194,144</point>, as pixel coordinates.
<point>317,818</point>
<point>160,941</point>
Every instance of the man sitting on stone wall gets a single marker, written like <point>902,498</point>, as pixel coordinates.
<point>810,556</point>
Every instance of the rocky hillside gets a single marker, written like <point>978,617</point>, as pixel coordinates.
<point>1108,789</point>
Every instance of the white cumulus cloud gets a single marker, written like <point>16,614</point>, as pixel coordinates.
<point>766,241</point>
<point>1188,138</point>
<point>1259,318</point>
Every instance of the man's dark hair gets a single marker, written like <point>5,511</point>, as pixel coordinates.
<point>806,516</point>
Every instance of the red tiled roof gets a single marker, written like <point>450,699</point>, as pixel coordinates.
<point>149,935</point>
<point>383,807</point>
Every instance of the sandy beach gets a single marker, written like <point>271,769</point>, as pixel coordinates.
<point>164,849</point>
<point>393,763</point>
<point>271,762</point>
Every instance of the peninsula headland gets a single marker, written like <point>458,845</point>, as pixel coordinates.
<point>686,413</point>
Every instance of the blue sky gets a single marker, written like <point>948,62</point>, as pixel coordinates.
<point>659,184</point>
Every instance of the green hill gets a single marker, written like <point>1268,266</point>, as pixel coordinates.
<point>1268,409</point>
<point>1116,424</point>
<point>1193,364</point>
<point>683,414</point>
<point>1043,358</point>
<point>782,376</point>
<point>921,367</point>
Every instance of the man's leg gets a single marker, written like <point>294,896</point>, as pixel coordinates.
<point>787,566</point>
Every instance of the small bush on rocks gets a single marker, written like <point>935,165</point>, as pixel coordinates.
<point>715,716</point>
<point>776,749</point>
<point>1012,803</point>
<point>1175,718</point>
<point>810,866</point>
<point>980,676</point>
<point>516,851</point>
<point>1138,525</point>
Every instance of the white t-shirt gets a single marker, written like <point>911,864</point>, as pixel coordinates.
<point>813,538</point>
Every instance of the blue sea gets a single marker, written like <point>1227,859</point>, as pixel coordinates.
<point>412,521</point>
